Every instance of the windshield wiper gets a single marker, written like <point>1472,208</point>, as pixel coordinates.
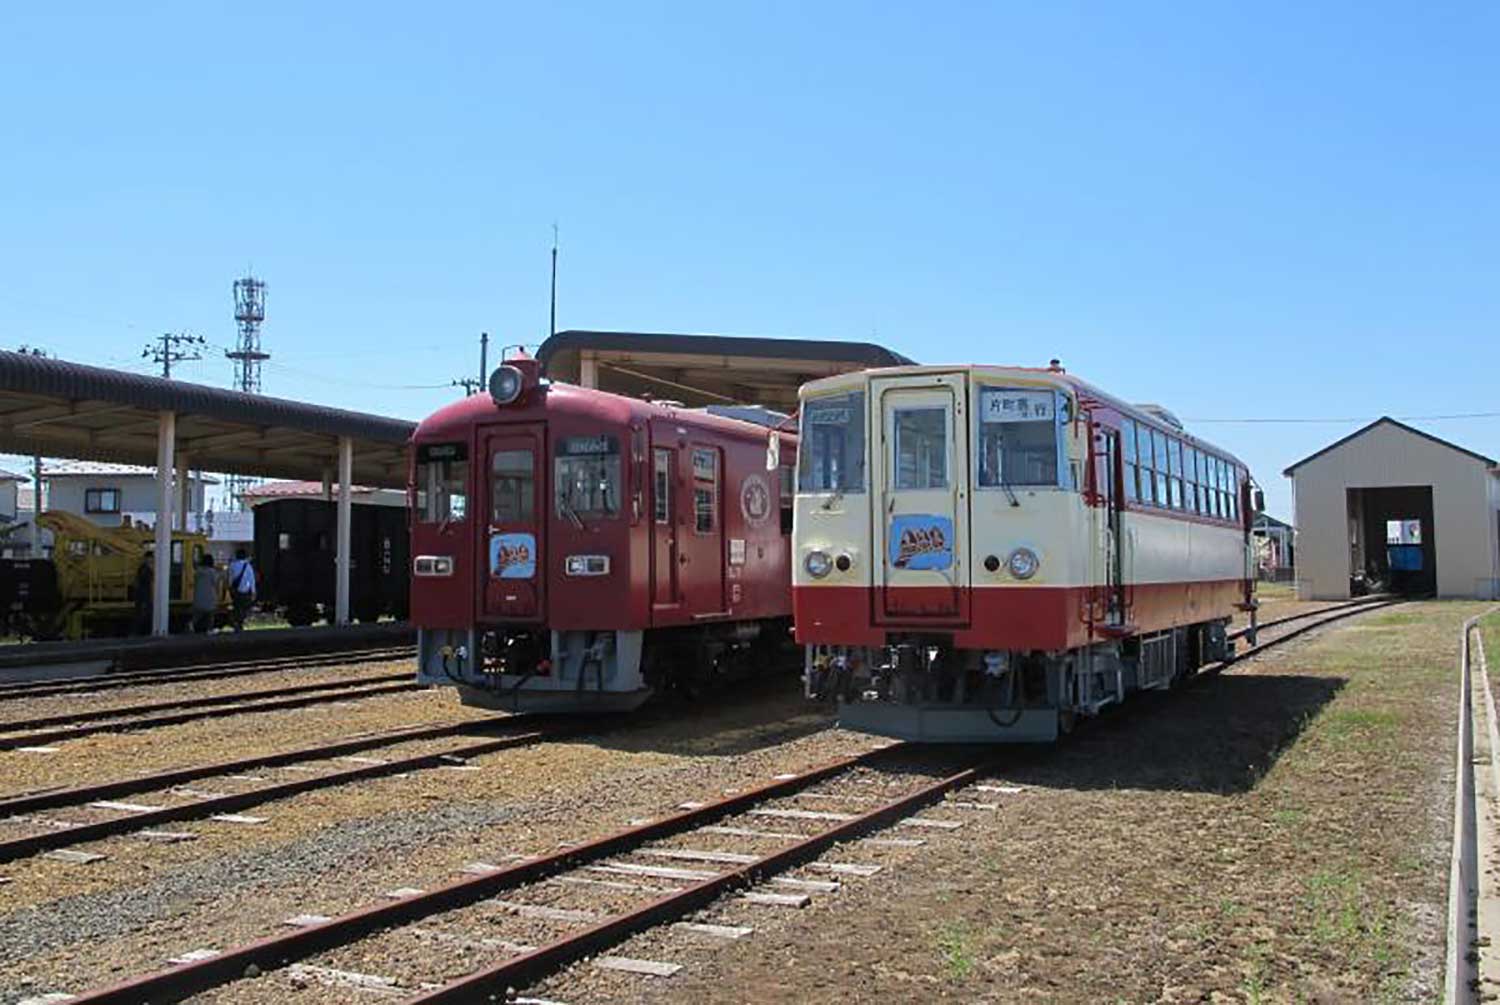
<point>838,494</point>
<point>567,510</point>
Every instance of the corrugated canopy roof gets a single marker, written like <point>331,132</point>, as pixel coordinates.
<point>61,409</point>
<point>706,369</point>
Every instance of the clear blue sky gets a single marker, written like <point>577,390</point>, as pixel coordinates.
<point>1252,210</point>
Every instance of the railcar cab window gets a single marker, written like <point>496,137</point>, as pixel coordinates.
<point>587,476</point>
<point>512,489</point>
<point>831,452</point>
<point>1018,437</point>
<point>442,482</point>
<point>921,448</point>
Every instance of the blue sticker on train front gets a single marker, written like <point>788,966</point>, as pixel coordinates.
<point>921,541</point>
<point>513,556</point>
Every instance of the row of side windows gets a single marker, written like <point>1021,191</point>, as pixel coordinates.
<point>1161,470</point>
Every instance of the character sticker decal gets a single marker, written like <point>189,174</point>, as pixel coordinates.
<point>920,541</point>
<point>513,556</point>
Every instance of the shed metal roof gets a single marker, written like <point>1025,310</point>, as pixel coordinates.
<point>707,369</point>
<point>61,409</point>
<point>1387,420</point>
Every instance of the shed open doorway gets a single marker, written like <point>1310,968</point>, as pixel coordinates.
<point>1392,541</point>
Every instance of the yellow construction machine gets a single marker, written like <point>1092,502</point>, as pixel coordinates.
<point>88,587</point>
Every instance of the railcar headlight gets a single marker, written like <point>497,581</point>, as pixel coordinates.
<point>818,564</point>
<point>505,385</point>
<point>1023,563</point>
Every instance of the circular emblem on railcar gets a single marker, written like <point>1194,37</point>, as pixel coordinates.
<point>755,500</point>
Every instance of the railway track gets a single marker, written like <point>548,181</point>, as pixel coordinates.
<point>683,850</point>
<point>1374,599</point>
<point>72,725</point>
<point>90,683</point>
<point>191,804</point>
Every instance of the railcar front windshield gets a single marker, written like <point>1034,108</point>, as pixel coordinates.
<point>831,449</point>
<point>442,482</point>
<point>1019,436</point>
<point>587,476</point>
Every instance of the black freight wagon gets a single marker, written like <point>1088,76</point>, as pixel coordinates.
<point>294,559</point>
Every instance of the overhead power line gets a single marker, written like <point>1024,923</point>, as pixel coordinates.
<point>1351,418</point>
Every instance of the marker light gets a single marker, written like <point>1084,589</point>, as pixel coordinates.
<point>1023,563</point>
<point>433,565</point>
<point>818,564</point>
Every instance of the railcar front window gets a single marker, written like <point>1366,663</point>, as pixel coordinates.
<point>587,476</point>
<point>1018,437</point>
<point>831,454</point>
<point>513,487</point>
<point>921,448</point>
<point>442,482</point>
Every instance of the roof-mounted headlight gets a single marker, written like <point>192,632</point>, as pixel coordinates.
<point>506,384</point>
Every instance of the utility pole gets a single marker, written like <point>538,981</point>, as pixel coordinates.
<point>35,549</point>
<point>170,347</point>
<point>552,323</point>
<point>470,384</point>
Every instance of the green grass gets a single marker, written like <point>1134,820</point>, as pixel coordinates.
<point>956,946</point>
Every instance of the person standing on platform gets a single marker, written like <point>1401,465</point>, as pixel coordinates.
<point>205,594</point>
<point>241,587</point>
<point>145,587</point>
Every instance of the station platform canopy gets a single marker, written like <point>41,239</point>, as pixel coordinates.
<point>55,408</point>
<point>700,370</point>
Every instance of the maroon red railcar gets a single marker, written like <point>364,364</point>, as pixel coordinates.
<point>575,550</point>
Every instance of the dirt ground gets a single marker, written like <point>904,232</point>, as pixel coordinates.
<point>1276,834</point>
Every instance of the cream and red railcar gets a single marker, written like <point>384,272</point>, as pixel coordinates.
<point>987,553</point>
<point>575,551</point>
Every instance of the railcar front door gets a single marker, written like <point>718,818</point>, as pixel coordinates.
<point>921,519</point>
<point>1110,484</point>
<point>515,582</point>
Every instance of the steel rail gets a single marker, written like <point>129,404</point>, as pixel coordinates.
<point>1362,602</point>
<point>533,966</point>
<point>59,796</point>
<point>231,802</point>
<point>90,683</point>
<point>277,951</point>
<point>174,718</point>
<point>100,714</point>
<point>1256,650</point>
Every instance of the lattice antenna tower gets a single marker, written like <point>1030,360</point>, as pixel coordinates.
<point>249,312</point>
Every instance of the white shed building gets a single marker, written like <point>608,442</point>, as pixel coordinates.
<point>1394,506</point>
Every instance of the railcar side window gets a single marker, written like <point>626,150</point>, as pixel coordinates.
<point>586,476</point>
<point>1148,478</point>
<point>1191,492</point>
<point>513,486</point>
<point>705,488</point>
<point>1234,493</point>
<point>1174,468</point>
<point>831,452</point>
<point>1159,448</point>
<point>1127,442</point>
<point>1018,437</point>
<point>661,485</point>
<point>921,448</point>
<point>442,482</point>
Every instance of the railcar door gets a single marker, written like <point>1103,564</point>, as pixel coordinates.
<point>921,525</point>
<point>700,530</point>
<point>515,580</point>
<point>1110,485</point>
<point>664,595</point>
